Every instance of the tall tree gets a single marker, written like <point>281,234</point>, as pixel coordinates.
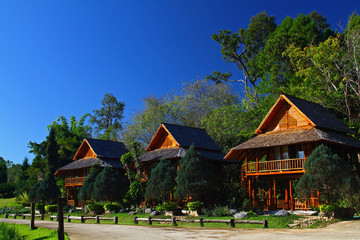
<point>3,170</point>
<point>52,156</point>
<point>195,176</point>
<point>107,119</point>
<point>87,188</point>
<point>161,182</point>
<point>45,190</point>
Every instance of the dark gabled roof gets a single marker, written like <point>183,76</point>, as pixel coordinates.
<point>107,149</point>
<point>281,138</point>
<point>187,136</point>
<point>319,115</point>
<point>88,162</point>
<point>179,152</point>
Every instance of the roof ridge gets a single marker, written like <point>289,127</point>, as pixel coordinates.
<point>183,126</point>
<point>103,140</point>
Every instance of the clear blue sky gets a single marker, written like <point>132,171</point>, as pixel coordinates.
<point>61,57</point>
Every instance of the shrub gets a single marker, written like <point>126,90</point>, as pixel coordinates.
<point>112,207</point>
<point>23,199</point>
<point>166,207</point>
<point>251,214</point>
<point>221,211</point>
<point>193,206</point>
<point>51,208</point>
<point>8,231</point>
<point>328,208</point>
<point>6,189</point>
<point>40,207</point>
<point>97,208</point>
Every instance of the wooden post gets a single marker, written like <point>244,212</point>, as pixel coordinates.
<point>68,218</point>
<point>275,200</point>
<point>291,196</point>
<point>97,219</point>
<point>149,221</point>
<point>60,215</point>
<point>266,223</point>
<point>23,216</point>
<point>173,221</point>
<point>116,219</point>
<point>232,222</point>
<point>6,215</point>
<point>32,219</point>
<point>249,188</point>
<point>286,199</point>
<point>201,222</point>
<point>42,216</point>
<point>82,219</point>
<point>135,220</point>
<point>14,215</point>
<point>269,196</point>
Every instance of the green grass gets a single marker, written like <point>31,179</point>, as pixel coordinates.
<point>8,202</point>
<point>321,224</point>
<point>39,233</point>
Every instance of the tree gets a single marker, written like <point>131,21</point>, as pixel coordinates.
<point>109,186</point>
<point>324,172</point>
<point>161,182</point>
<point>45,190</point>
<point>52,156</point>
<point>87,188</point>
<point>107,120</point>
<point>195,176</point>
<point>3,170</point>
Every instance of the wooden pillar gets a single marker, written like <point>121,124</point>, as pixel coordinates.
<point>269,196</point>
<point>60,219</point>
<point>32,220</point>
<point>246,161</point>
<point>249,184</point>
<point>257,161</point>
<point>292,204</point>
<point>275,202</point>
<point>286,199</point>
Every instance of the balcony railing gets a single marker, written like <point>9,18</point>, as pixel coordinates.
<point>75,181</point>
<point>275,166</point>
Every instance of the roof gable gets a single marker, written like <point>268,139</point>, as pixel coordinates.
<point>100,148</point>
<point>181,136</point>
<point>307,113</point>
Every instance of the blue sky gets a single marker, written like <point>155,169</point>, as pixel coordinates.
<point>61,57</point>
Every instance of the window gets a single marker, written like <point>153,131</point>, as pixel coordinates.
<point>277,153</point>
<point>301,153</point>
<point>285,152</point>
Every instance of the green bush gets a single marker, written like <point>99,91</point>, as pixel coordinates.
<point>166,207</point>
<point>193,206</point>
<point>112,207</point>
<point>251,214</point>
<point>40,207</point>
<point>51,208</point>
<point>328,208</point>
<point>97,208</point>
<point>23,199</point>
<point>8,231</point>
<point>221,211</point>
<point>7,189</point>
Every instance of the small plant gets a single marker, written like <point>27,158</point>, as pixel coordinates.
<point>328,208</point>
<point>166,207</point>
<point>221,211</point>
<point>40,207</point>
<point>97,208</point>
<point>112,207</point>
<point>8,231</point>
<point>51,208</point>
<point>251,214</point>
<point>246,206</point>
<point>23,199</point>
<point>194,206</point>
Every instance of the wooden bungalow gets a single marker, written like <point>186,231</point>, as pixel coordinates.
<point>285,138</point>
<point>172,141</point>
<point>91,151</point>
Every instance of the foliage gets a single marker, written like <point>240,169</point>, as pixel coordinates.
<point>195,176</point>
<point>134,194</point>
<point>8,231</point>
<point>3,170</point>
<point>52,156</point>
<point>251,214</point>
<point>324,172</point>
<point>8,203</point>
<point>45,191</point>
<point>161,182</point>
<point>196,205</point>
<point>166,206</point>
<point>7,189</point>
<point>109,186</point>
<point>37,234</point>
<point>97,208</point>
<point>107,119</point>
<point>221,211</point>
<point>87,188</point>
<point>51,208</point>
<point>23,199</point>
<point>328,208</point>
<point>40,206</point>
<point>112,207</point>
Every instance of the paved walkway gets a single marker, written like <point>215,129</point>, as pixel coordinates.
<point>78,231</point>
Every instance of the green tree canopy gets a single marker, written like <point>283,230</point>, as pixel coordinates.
<point>3,170</point>
<point>195,176</point>
<point>87,188</point>
<point>45,190</point>
<point>52,156</point>
<point>161,182</point>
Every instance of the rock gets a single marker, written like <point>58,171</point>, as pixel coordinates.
<point>154,213</point>
<point>132,213</point>
<point>72,210</point>
<point>282,213</point>
<point>123,210</point>
<point>232,212</point>
<point>240,215</point>
<point>148,210</point>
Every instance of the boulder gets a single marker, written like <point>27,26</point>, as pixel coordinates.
<point>123,210</point>
<point>148,210</point>
<point>232,212</point>
<point>132,213</point>
<point>154,213</point>
<point>282,213</point>
<point>240,215</point>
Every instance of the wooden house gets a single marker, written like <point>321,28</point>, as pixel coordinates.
<point>91,151</point>
<point>172,141</point>
<point>285,138</point>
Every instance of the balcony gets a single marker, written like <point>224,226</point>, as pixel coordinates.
<point>75,181</point>
<point>295,165</point>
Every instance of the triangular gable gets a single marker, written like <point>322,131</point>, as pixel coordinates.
<point>84,151</point>
<point>162,139</point>
<point>284,114</point>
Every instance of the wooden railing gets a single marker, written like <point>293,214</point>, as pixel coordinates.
<point>75,181</point>
<point>275,166</point>
<point>306,203</point>
<point>71,203</point>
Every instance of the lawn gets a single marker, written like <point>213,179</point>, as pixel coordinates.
<point>36,234</point>
<point>8,202</point>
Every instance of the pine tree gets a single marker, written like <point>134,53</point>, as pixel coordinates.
<point>195,176</point>
<point>45,191</point>
<point>88,186</point>
<point>161,182</point>
<point>52,156</point>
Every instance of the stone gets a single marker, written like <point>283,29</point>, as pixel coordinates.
<point>123,210</point>
<point>232,212</point>
<point>282,213</point>
<point>154,213</point>
<point>72,210</point>
<point>240,215</point>
<point>132,213</point>
<point>148,210</point>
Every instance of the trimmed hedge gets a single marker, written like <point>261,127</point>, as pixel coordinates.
<point>193,206</point>
<point>112,207</point>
